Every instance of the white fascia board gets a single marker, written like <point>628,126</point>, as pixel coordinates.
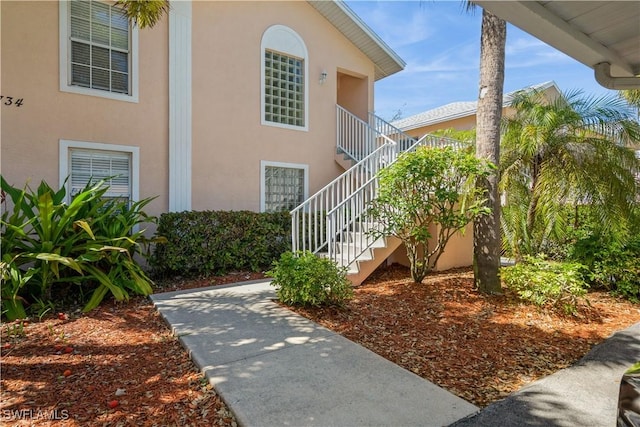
<point>535,19</point>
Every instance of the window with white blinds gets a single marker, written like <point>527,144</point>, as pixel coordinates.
<point>100,47</point>
<point>284,186</point>
<point>112,167</point>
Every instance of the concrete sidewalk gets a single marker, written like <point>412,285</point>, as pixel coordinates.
<point>275,368</point>
<point>585,394</point>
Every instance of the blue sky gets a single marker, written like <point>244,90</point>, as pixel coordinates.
<point>440,42</point>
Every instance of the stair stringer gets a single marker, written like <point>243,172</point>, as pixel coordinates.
<point>380,255</point>
<point>344,161</point>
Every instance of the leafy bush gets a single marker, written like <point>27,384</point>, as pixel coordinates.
<point>306,279</point>
<point>612,264</point>
<point>215,242</point>
<point>430,185</point>
<point>547,283</point>
<point>88,245</point>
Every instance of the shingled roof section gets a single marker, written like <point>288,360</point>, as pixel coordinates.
<point>456,110</point>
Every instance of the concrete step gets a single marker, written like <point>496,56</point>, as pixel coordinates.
<point>352,268</point>
<point>358,236</point>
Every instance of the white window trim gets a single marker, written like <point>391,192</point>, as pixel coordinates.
<point>64,172</point>
<point>65,47</point>
<point>286,41</point>
<point>263,187</point>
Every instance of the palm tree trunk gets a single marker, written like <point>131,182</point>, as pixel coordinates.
<point>486,232</point>
<point>532,212</point>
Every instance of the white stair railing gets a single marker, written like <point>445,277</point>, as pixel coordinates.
<point>355,138</point>
<point>348,227</point>
<point>333,220</point>
<point>308,221</point>
<point>403,140</point>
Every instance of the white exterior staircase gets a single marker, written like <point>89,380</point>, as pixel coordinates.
<point>333,222</point>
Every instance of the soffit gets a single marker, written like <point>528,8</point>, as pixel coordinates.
<point>589,31</point>
<point>386,61</point>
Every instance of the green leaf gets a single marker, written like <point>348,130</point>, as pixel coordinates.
<point>85,226</point>
<point>54,258</point>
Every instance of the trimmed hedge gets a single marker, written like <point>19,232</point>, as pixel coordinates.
<point>217,242</point>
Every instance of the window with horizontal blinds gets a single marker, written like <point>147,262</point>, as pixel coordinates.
<point>284,188</point>
<point>99,47</point>
<point>114,168</point>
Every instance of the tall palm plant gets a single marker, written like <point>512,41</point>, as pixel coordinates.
<point>486,231</point>
<point>571,149</point>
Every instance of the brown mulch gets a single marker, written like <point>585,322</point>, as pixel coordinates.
<point>70,366</point>
<point>66,369</point>
<point>479,347</point>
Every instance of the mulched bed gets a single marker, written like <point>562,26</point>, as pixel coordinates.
<point>70,366</point>
<point>118,365</point>
<point>479,347</point>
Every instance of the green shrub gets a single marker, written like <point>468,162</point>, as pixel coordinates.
<point>425,187</point>
<point>547,283</point>
<point>612,264</point>
<point>87,245</point>
<point>308,280</point>
<point>216,242</point>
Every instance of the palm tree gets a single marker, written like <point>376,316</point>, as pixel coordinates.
<point>144,13</point>
<point>571,149</point>
<point>632,96</point>
<point>486,231</point>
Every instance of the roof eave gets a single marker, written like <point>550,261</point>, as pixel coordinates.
<point>386,61</point>
<point>534,18</point>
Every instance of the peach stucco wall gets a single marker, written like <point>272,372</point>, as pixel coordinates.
<point>462,123</point>
<point>31,133</point>
<point>229,141</point>
<point>458,251</point>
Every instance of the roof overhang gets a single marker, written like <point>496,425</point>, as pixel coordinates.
<point>457,110</point>
<point>603,35</point>
<point>386,61</point>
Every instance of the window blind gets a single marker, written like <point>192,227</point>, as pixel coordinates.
<point>92,166</point>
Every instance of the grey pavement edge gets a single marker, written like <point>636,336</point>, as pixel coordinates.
<point>585,394</point>
<point>275,368</point>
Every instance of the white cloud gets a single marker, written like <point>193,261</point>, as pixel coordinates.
<point>461,57</point>
<point>440,43</point>
<point>399,24</point>
<point>522,45</point>
<point>524,51</point>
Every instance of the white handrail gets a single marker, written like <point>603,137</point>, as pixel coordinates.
<point>324,221</point>
<point>345,245</point>
<point>392,132</point>
<point>355,137</point>
<point>308,220</point>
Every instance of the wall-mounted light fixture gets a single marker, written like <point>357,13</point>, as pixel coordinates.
<point>323,77</point>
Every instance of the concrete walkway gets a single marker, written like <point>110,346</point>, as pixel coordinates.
<point>585,394</point>
<point>275,368</point>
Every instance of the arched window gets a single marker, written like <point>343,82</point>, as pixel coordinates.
<point>284,78</point>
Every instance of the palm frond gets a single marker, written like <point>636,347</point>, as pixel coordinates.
<point>144,13</point>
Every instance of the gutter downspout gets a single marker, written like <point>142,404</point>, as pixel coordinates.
<point>603,76</point>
